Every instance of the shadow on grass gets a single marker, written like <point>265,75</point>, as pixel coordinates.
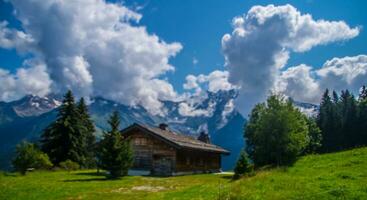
<point>88,180</point>
<point>90,173</point>
<point>229,177</point>
<point>11,174</point>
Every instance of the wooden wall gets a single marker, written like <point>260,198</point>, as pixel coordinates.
<point>148,151</point>
<point>160,158</point>
<point>197,161</point>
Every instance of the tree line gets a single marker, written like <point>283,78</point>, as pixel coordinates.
<point>277,133</point>
<point>70,143</point>
<point>343,120</point>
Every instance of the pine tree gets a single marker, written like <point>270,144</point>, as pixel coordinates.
<point>335,122</point>
<point>324,121</point>
<point>64,138</point>
<point>349,118</point>
<point>115,153</point>
<point>89,128</point>
<point>362,116</point>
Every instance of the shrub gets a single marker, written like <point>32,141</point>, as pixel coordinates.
<point>69,165</point>
<point>29,156</point>
<point>43,161</point>
<point>243,166</point>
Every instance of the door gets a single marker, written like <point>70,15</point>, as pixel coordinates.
<point>162,165</point>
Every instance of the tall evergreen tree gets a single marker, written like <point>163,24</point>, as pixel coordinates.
<point>348,106</point>
<point>89,129</point>
<point>343,120</point>
<point>64,138</point>
<point>325,121</point>
<point>362,117</point>
<point>335,122</point>
<point>115,153</point>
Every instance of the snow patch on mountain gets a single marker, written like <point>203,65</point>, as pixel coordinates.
<point>31,105</point>
<point>308,109</point>
<point>228,109</point>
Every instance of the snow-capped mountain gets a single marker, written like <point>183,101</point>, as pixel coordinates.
<point>213,112</point>
<point>26,118</point>
<point>31,105</point>
<point>308,109</point>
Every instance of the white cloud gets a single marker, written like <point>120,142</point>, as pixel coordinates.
<point>299,83</point>
<point>306,84</point>
<point>11,38</point>
<point>95,48</point>
<point>190,110</point>
<point>213,82</point>
<point>344,73</point>
<point>228,109</point>
<point>193,101</point>
<point>31,79</point>
<point>261,42</point>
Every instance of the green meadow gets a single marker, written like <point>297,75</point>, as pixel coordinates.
<point>340,175</point>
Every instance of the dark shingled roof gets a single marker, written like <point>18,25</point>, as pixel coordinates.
<point>175,139</point>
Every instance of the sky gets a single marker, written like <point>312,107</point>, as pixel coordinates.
<point>170,50</point>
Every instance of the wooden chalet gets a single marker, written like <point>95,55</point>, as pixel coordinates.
<point>160,151</point>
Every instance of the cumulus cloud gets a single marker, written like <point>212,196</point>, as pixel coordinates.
<point>31,79</point>
<point>189,110</point>
<point>261,42</point>
<point>95,48</point>
<point>342,73</point>
<point>213,82</point>
<point>299,82</point>
<point>196,93</point>
<point>305,83</point>
<point>228,109</point>
<point>11,38</point>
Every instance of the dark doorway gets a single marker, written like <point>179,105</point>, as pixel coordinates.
<point>162,165</point>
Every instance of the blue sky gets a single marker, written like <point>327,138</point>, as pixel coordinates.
<point>200,25</point>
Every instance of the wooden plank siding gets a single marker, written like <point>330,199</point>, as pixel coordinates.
<point>165,152</point>
<point>197,161</point>
<point>148,151</point>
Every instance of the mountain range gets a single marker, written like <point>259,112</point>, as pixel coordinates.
<point>26,118</point>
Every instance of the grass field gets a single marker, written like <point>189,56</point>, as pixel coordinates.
<point>331,176</point>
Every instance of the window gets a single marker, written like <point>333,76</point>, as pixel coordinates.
<point>140,141</point>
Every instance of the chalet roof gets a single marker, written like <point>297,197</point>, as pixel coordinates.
<point>175,139</point>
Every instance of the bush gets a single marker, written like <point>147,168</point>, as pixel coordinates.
<point>43,161</point>
<point>243,166</point>
<point>29,156</point>
<point>69,165</point>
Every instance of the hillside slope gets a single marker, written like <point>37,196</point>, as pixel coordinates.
<point>340,175</point>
